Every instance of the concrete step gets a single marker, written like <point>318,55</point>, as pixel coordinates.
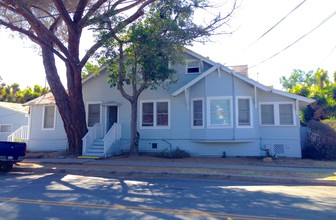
<point>98,142</point>
<point>94,150</point>
<point>96,154</point>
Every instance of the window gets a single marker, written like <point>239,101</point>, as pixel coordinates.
<point>244,112</point>
<point>155,114</point>
<point>49,117</point>
<point>267,114</point>
<point>93,114</point>
<point>162,113</point>
<point>277,114</point>
<point>219,112</point>
<point>148,114</point>
<point>286,114</point>
<point>6,128</point>
<point>197,113</point>
<point>193,66</point>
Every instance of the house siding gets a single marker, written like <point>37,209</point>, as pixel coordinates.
<point>234,140</point>
<point>45,140</point>
<point>11,117</point>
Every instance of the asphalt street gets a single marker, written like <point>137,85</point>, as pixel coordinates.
<point>68,196</point>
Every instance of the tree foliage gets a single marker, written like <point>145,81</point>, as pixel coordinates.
<point>316,85</point>
<point>139,55</point>
<point>56,27</point>
<point>13,93</point>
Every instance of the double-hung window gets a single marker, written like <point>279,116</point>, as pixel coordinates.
<point>244,112</point>
<point>49,117</point>
<point>155,114</point>
<point>93,114</point>
<point>276,114</point>
<point>219,112</point>
<point>197,113</point>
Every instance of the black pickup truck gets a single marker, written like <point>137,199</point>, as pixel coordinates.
<point>11,153</point>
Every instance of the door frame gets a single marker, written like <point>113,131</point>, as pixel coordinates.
<point>106,115</point>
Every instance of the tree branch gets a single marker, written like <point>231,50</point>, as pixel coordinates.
<point>80,10</point>
<point>65,14</point>
<point>33,37</point>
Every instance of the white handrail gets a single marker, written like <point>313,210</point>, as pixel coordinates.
<point>111,137</point>
<point>19,135</point>
<point>96,131</point>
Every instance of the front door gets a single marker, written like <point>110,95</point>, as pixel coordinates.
<point>112,116</point>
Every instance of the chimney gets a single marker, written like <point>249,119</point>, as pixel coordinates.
<point>242,69</point>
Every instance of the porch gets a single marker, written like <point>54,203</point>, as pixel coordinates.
<point>95,143</point>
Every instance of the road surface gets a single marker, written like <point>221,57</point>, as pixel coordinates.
<point>66,196</point>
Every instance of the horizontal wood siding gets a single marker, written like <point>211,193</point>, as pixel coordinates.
<point>287,135</point>
<point>46,140</point>
<point>11,117</point>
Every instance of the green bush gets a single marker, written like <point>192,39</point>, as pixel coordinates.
<point>173,153</point>
<point>321,142</point>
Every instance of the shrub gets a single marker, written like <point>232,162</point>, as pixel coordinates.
<point>321,142</point>
<point>173,153</point>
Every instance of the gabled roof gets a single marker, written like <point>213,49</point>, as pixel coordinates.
<point>15,107</point>
<point>239,76</point>
<point>46,99</point>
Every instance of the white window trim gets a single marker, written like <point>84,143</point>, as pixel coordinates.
<point>155,115</point>
<point>209,125</point>
<point>277,114</point>
<point>193,60</point>
<point>237,112</point>
<point>192,113</point>
<point>11,130</point>
<point>53,128</point>
<point>87,111</point>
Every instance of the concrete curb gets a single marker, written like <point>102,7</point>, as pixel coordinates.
<point>178,175</point>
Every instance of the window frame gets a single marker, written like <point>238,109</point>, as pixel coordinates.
<point>276,113</point>
<point>192,113</point>
<point>155,114</point>
<point>11,128</point>
<point>216,126</point>
<point>250,110</point>
<point>43,117</point>
<point>87,112</point>
<point>190,61</point>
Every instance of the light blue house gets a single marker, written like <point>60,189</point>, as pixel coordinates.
<point>210,111</point>
<point>13,118</point>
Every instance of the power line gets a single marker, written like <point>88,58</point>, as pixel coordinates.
<point>303,36</point>
<point>331,52</point>
<point>275,24</point>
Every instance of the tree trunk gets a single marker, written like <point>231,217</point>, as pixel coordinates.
<point>134,145</point>
<point>70,104</point>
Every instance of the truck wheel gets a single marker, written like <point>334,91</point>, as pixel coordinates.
<point>6,167</point>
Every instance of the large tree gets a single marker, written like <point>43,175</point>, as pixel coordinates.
<point>138,57</point>
<point>56,27</point>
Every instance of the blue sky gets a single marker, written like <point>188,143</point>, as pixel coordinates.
<point>22,64</point>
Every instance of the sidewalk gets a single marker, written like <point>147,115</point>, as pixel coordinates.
<point>234,169</point>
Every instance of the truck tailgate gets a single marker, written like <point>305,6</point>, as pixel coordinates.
<point>13,149</point>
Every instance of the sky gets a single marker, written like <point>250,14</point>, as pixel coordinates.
<point>314,23</point>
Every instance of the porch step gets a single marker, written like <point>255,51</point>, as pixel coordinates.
<point>98,142</point>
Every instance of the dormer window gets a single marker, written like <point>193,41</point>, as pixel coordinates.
<point>193,66</point>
